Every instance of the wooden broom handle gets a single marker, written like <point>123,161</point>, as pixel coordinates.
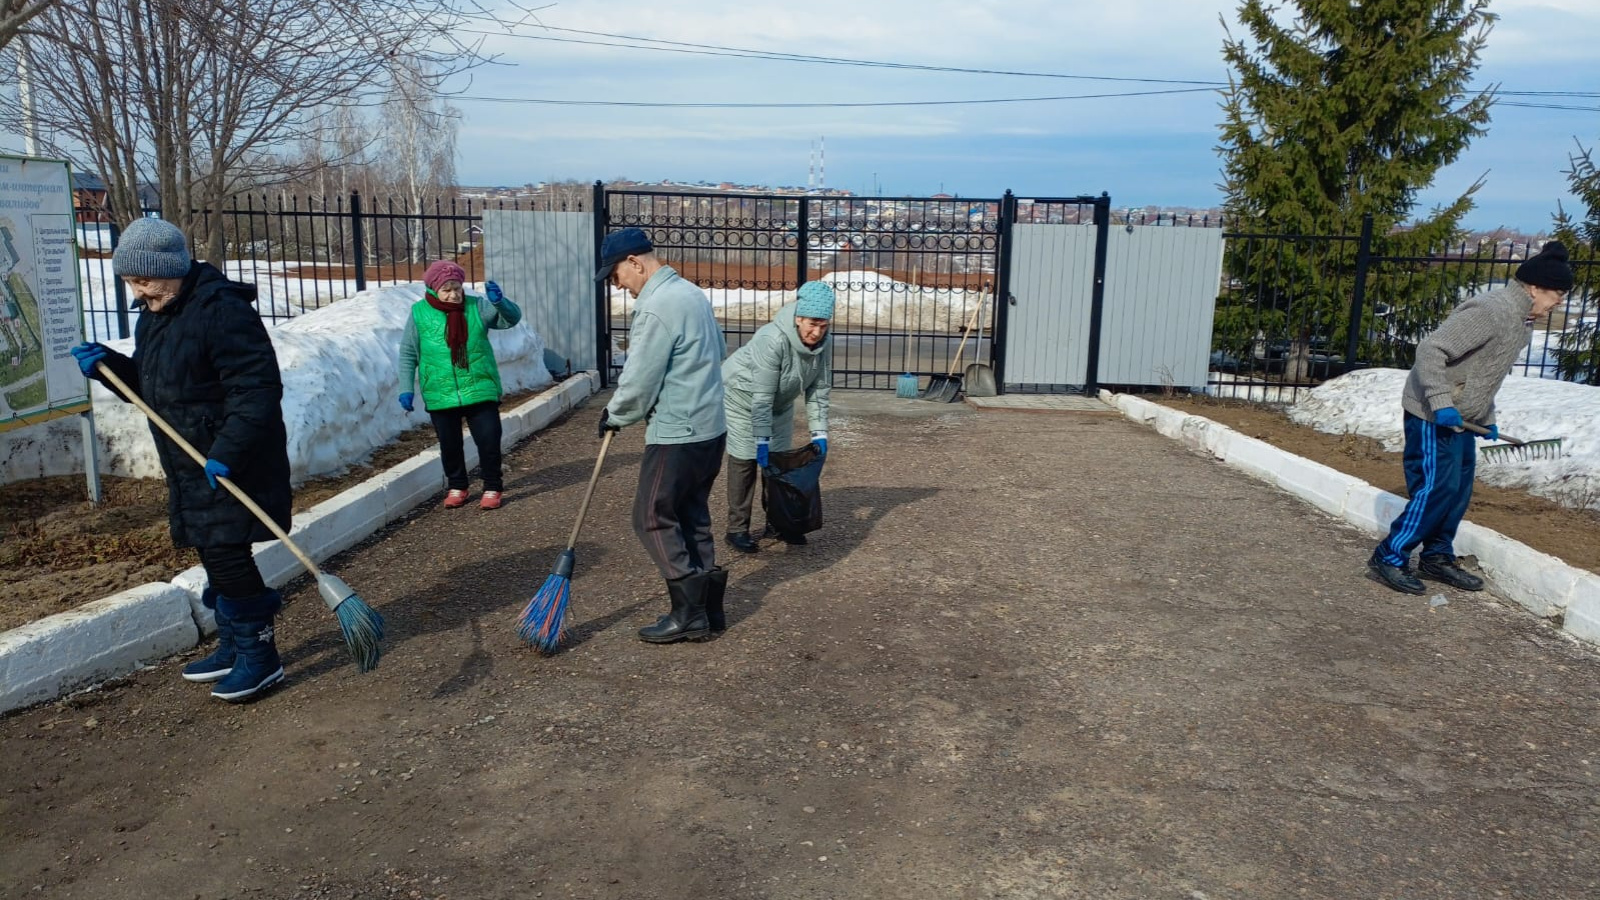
<point>588,495</point>
<point>136,400</point>
<point>956,363</point>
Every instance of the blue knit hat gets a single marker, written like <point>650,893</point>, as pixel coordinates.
<point>151,248</point>
<point>816,300</point>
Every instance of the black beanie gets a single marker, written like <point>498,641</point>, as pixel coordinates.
<point>1548,268</point>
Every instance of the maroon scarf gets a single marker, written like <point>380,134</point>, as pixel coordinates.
<point>455,327</point>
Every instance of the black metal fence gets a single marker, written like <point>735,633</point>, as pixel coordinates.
<point>911,275</point>
<point>303,253</point>
<point>1296,310</point>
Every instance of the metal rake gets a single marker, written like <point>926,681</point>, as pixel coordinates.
<point>1515,449</point>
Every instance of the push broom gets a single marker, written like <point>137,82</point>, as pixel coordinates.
<point>361,624</point>
<point>544,621</point>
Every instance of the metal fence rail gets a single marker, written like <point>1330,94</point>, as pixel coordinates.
<point>1296,310</point>
<point>909,273</point>
<point>302,253</point>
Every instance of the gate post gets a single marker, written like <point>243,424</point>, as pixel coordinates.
<point>118,288</point>
<point>602,289</point>
<point>358,241</point>
<point>1097,301</point>
<point>802,239</point>
<point>1358,296</point>
<point>1002,292</point>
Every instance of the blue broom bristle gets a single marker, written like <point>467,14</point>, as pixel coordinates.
<point>363,631</point>
<point>906,387</point>
<point>543,623</point>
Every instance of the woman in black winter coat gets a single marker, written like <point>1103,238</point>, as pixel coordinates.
<point>203,361</point>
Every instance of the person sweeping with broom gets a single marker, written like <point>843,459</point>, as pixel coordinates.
<point>202,361</point>
<point>1458,371</point>
<point>788,358</point>
<point>673,382</point>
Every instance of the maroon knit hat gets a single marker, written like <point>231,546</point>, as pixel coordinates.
<point>441,271</point>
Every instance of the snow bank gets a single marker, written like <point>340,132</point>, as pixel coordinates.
<point>1367,402</point>
<point>340,394</point>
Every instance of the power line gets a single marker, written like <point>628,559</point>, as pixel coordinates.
<point>826,105</point>
<point>747,53</point>
<point>1547,106</point>
<point>696,49</point>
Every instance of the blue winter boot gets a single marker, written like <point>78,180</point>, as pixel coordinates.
<point>256,666</point>
<point>220,662</point>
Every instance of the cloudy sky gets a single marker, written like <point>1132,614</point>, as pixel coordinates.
<point>1153,149</point>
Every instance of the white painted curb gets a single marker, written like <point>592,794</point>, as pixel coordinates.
<point>1541,583</point>
<point>98,640</point>
<point>47,658</point>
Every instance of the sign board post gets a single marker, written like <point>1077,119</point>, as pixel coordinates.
<point>41,306</point>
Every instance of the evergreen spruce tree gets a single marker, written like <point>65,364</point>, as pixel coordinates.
<point>1347,108</point>
<point>1578,355</point>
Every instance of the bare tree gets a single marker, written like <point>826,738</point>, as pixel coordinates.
<point>15,16</point>
<point>419,140</point>
<point>198,97</point>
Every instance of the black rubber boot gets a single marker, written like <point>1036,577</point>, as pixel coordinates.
<point>716,618</point>
<point>741,541</point>
<point>257,666</point>
<point>687,621</point>
<point>220,662</point>
<point>1398,577</point>
<point>1445,569</point>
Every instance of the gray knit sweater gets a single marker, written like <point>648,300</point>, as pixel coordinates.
<point>1463,362</point>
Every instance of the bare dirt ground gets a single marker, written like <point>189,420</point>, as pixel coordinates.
<point>1029,656</point>
<point>1571,535</point>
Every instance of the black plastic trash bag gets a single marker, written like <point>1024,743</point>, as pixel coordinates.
<point>791,491</point>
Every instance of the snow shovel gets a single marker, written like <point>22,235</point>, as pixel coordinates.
<point>947,387</point>
<point>978,379</point>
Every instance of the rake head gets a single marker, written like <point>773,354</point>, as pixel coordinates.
<point>1527,451</point>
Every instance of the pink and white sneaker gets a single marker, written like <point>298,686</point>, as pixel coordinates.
<point>491,500</point>
<point>455,499</point>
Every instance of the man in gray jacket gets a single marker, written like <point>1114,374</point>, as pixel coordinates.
<point>1458,371</point>
<point>673,381</point>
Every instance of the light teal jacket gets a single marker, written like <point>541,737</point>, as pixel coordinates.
<point>673,376</point>
<point>765,377</point>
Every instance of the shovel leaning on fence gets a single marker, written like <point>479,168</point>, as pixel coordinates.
<point>1516,449</point>
<point>947,387</point>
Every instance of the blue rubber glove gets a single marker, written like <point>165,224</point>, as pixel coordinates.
<point>1493,435</point>
<point>1449,417</point>
<point>215,470</point>
<point>407,400</point>
<point>492,291</point>
<point>820,438</point>
<point>88,353</point>
<point>763,452</point>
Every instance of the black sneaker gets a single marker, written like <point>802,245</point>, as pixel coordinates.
<point>741,541</point>
<point>1398,577</point>
<point>1444,568</point>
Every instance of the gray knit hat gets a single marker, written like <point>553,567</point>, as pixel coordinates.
<point>151,248</point>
